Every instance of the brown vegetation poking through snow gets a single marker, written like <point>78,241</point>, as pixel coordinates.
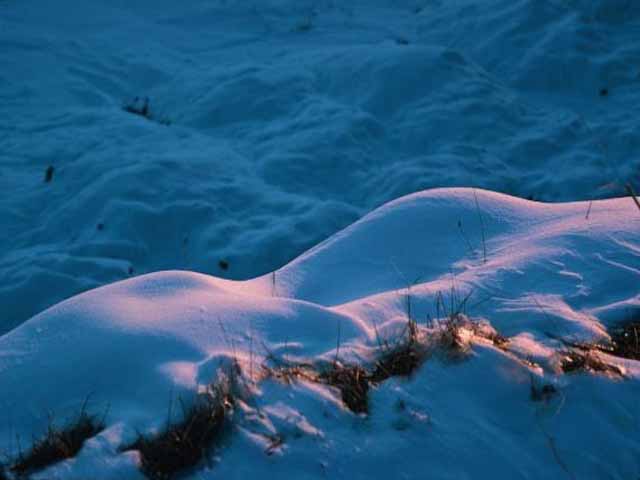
<point>351,380</point>
<point>455,335</point>
<point>289,373</point>
<point>353,383</point>
<point>583,356</point>
<point>58,444</point>
<point>402,359</point>
<point>398,359</point>
<point>184,444</point>
<point>626,340</point>
<point>586,360</point>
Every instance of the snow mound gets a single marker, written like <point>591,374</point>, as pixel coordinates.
<point>270,125</point>
<point>535,273</point>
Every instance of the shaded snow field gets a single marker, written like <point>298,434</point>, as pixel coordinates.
<point>550,272</point>
<point>271,125</point>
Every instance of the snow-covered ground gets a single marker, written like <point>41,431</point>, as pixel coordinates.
<point>542,272</point>
<point>275,147</point>
<point>273,124</point>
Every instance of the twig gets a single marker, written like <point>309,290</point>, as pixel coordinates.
<point>227,339</point>
<point>335,362</point>
<point>375,328</point>
<point>170,409</point>
<point>632,192</point>
<point>465,238</point>
<point>251,349</point>
<point>273,283</point>
<point>484,244</point>
<point>554,450</point>
<point>586,217</point>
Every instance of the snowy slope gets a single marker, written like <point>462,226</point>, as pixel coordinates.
<point>543,271</point>
<point>273,124</point>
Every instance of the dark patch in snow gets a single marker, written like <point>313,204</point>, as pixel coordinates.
<point>626,340</point>
<point>185,444</point>
<point>575,361</point>
<point>58,444</point>
<point>276,443</point>
<point>48,174</point>
<point>401,361</point>
<point>542,393</point>
<point>141,106</point>
<point>353,383</point>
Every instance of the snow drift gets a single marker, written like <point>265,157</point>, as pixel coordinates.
<point>538,274</point>
<point>273,124</point>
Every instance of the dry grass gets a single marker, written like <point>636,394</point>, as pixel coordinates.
<point>488,333</point>
<point>353,383</point>
<point>351,380</point>
<point>582,355</point>
<point>183,445</point>
<point>403,358</point>
<point>632,194</point>
<point>290,373</point>
<point>586,360</point>
<point>451,336</point>
<point>454,337</point>
<point>399,358</point>
<point>58,444</point>
<point>400,361</point>
<point>626,340</point>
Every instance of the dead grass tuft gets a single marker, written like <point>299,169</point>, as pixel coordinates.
<point>353,383</point>
<point>498,340</point>
<point>586,360</point>
<point>58,444</point>
<point>455,335</point>
<point>399,361</point>
<point>400,358</point>
<point>626,340</point>
<point>290,373</point>
<point>185,444</point>
<point>351,380</point>
<point>403,358</point>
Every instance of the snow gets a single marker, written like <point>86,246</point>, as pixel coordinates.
<point>549,272</point>
<point>187,184</point>
<point>274,124</point>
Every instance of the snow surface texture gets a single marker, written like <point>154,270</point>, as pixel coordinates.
<point>543,270</point>
<point>272,124</point>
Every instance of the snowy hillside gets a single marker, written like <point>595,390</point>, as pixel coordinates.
<point>314,239</point>
<point>229,136</point>
<point>500,310</point>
